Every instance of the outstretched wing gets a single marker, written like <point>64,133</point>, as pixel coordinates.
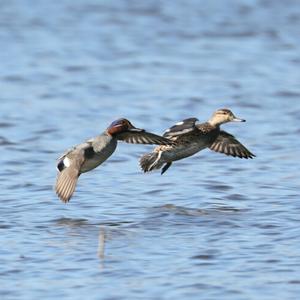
<point>229,145</point>
<point>68,167</point>
<point>181,128</point>
<point>143,137</point>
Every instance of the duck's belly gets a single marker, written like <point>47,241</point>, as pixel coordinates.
<point>94,162</point>
<point>180,152</point>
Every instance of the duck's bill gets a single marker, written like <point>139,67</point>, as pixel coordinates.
<point>238,120</point>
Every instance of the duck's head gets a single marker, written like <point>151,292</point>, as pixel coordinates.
<point>222,116</point>
<point>122,125</point>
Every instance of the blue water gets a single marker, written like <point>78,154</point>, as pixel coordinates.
<point>213,227</point>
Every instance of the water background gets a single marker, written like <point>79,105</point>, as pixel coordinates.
<point>213,227</point>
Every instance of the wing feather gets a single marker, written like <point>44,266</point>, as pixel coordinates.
<point>181,128</point>
<point>143,137</point>
<point>67,179</point>
<point>229,145</point>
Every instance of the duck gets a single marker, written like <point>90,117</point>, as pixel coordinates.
<point>190,137</point>
<point>90,154</point>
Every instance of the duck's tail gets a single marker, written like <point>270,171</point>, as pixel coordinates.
<point>151,161</point>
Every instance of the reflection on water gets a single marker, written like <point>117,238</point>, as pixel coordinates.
<point>101,243</point>
<point>214,227</point>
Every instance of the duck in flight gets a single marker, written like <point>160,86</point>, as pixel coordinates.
<point>190,138</point>
<point>92,153</point>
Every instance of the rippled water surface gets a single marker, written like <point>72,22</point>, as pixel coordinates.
<point>212,227</point>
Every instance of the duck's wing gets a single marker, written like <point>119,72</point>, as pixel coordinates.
<point>68,173</point>
<point>142,137</point>
<point>181,128</point>
<point>65,154</point>
<point>229,145</point>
